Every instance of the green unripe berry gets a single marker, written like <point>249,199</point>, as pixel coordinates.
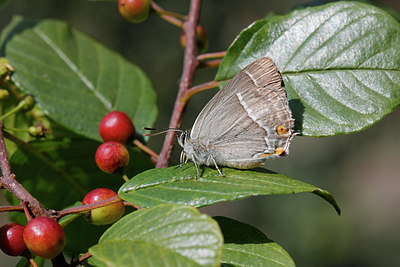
<point>107,214</point>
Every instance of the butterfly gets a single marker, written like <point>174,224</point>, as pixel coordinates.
<point>245,123</point>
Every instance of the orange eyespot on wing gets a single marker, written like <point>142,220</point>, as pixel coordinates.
<point>279,151</point>
<point>281,129</point>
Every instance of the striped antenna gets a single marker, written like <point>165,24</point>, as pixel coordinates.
<point>163,130</point>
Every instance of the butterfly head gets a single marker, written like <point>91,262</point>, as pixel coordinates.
<point>183,137</point>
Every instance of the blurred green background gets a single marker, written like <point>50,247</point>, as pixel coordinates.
<point>361,170</point>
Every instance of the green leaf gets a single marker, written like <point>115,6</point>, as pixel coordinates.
<point>340,64</point>
<point>178,228</point>
<point>94,261</point>
<point>171,185</point>
<point>135,253</point>
<point>59,173</point>
<point>75,79</point>
<point>248,246</point>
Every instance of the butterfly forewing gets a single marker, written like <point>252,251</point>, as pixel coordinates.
<point>247,120</point>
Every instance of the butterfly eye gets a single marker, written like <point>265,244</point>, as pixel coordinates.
<point>182,139</point>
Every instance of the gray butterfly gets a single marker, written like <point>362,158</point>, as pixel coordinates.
<point>245,123</point>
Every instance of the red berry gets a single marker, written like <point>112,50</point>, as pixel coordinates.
<point>107,214</point>
<point>44,237</point>
<point>11,239</point>
<point>111,157</point>
<point>134,10</point>
<point>116,126</point>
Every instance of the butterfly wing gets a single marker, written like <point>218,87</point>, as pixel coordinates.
<point>249,119</point>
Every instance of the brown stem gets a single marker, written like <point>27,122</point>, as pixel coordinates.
<point>132,205</point>
<point>81,259</point>
<point>199,88</point>
<point>210,64</point>
<point>9,182</point>
<point>11,208</point>
<point>32,262</point>
<point>87,207</point>
<point>189,66</point>
<point>211,55</point>
<point>4,162</point>
<point>27,212</point>
<point>171,17</point>
<point>148,151</point>
<point>27,254</point>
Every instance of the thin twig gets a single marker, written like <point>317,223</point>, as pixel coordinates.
<point>11,208</point>
<point>132,205</point>
<point>189,66</point>
<point>27,254</point>
<point>208,56</point>
<point>32,262</point>
<point>148,151</point>
<point>171,17</point>
<point>57,215</point>
<point>210,64</point>
<point>26,210</point>
<point>9,182</point>
<point>4,162</point>
<point>81,259</point>
<point>199,88</point>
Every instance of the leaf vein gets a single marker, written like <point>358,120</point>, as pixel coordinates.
<point>73,67</point>
<point>255,255</point>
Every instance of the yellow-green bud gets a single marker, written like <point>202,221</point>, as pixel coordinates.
<point>28,102</point>
<point>4,94</point>
<point>5,68</point>
<point>37,131</point>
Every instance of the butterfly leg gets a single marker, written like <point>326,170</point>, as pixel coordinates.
<point>182,159</point>
<point>216,166</point>
<point>197,167</point>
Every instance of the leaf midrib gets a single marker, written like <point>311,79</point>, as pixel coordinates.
<point>89,85</point>
<point>318,71</point>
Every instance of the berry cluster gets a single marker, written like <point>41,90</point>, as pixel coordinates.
<point>116,129</point>
<point>43,236</point>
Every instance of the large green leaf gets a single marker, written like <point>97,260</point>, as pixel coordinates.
<point>245,245</point>
<point>340,63</point>
<point>59,173</point>
<point>171,185</point>
<point>135,253</point>
<point>75,79</point>
<point>181,229</point>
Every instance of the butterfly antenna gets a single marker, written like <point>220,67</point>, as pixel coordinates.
<point>163,130</point>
